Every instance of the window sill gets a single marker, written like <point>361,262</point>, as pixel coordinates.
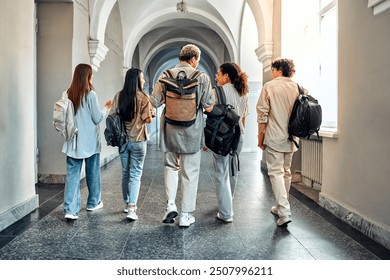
<point>378,6</point>
<point>328,132</point>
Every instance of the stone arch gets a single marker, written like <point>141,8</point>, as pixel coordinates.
<point>154,19</point>
<point>99,12</point>
<point>263,12</point>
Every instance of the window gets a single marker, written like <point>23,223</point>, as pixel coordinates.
<point>309,37</point>
<point>328,65</point>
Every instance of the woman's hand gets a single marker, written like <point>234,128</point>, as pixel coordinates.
<point>108,104</point>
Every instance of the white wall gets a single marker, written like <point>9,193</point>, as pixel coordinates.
<point>356,169</point>
<point>63,44</point>
<point>55,68</point>
<point>356,165</point>
<point>17,117</point>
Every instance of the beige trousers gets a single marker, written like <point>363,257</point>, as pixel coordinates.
<point>279,171</point>
<point>188,165</point>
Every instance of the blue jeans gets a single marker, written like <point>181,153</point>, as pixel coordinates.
<point>72,184</point>
<point>132,160</point>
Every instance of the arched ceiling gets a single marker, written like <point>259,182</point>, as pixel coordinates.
<point>160,31</point>
<point>154,31</point>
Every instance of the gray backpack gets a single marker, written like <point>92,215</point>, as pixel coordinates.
<point>64,120</point>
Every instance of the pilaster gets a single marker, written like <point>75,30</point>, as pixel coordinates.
<point>97,52</point>
<point>264,55</point>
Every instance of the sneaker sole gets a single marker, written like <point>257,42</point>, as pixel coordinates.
<point>274,213</point>
<point>186,225</point>
<point>170,219</point>
<point>71,218</point>
<point>223,220</point>
<point>97,207</point>
<point>284,224</point>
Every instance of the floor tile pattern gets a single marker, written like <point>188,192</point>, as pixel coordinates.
<point>106,233</point>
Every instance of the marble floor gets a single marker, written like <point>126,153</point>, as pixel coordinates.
<point>106,234</point>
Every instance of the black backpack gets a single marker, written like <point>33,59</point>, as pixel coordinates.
<point>222,131</point>
<point>181,97</point>
<point>115,132</point>
<point>305,118</point>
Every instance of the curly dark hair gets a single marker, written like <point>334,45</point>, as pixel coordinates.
<point>238,78</point>
<point>285,65</point>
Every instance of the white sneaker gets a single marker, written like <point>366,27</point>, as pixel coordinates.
<point>274,210</point>
<point>229,220</point>
<point>71,217</point>
<point>283,221</point>
<point>100,205</point>
<point>170,214</point>
<point>127,208</point>
<point>132,215</point>
<point>186,219</point>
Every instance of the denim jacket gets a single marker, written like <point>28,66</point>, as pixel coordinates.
<point>88,118</point>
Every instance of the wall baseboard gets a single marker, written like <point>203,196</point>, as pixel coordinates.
<point>16,213</point>
<point>376,232</point>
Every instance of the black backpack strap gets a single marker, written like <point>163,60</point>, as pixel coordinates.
<point>300,89</point>
<point>235,155</point>
<point>169,73</point>
<point>295,142</point>
<point>290,137</point>
<point>221,95</point>
<point>195,74</point>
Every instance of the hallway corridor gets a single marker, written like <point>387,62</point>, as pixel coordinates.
<point>106,234</point>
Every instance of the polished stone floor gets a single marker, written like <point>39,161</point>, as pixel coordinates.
<point>314,233</point>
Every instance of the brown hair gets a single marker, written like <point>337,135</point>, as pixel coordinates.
<point>189,51</point>
<point>81,84</point>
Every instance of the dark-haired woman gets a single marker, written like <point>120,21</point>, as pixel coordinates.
<point>87,146</point>
<point>136,111</point>
<point>235,86</point>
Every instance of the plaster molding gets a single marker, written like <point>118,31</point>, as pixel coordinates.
<point>378,6</point>
<point>97,53</point>
<point>264,54</point>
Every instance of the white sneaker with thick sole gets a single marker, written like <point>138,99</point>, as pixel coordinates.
<point>71,217</point>
<point>229,220</point>
<point>186,219</point>
<point>170,214</point>
<point>127,208</point>
<point>132,215</point>
<point>99,206</point>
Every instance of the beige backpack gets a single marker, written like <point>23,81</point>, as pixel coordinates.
<point>181,97</point>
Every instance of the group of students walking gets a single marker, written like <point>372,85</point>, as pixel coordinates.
<point>181,146</point>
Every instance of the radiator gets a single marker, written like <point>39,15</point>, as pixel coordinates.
<point>311,160</point>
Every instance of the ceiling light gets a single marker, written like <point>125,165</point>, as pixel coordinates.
<point>181,7</point>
